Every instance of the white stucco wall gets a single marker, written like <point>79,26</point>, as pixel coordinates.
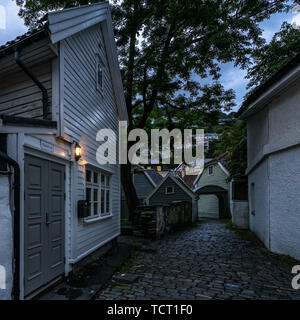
<point>6,240</point>
<point>240,213</point>
<point>273,133</point>
<point>285,202</point>
<point>260,222</point>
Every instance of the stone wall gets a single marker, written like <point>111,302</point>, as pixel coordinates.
<point>155,221</point>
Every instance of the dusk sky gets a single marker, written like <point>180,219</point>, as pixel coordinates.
<point>11,26</point>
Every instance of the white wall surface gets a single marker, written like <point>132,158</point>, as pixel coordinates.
<point>285,202</point>
<point>6,240</point>
<point>86,111</point>
<point>260,222</point>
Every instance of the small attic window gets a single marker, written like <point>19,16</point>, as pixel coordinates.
<point>169,190</point>
<point>210,170</point>
<point>99,77</point>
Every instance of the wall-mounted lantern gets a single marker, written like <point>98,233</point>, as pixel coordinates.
<point>78,152</point>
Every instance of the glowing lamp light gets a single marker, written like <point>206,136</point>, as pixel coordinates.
<point>78,152</point>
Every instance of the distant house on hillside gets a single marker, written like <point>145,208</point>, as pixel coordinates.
<point>212,187</point>
<point>145,181</point>
<point>172,189</point>
<point>272,113</point>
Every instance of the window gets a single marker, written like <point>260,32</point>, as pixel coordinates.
<point>99,76</point>
<point>158,168</point>
<point>169,190</point>
<point>98,193</point>
<point>210,170</point>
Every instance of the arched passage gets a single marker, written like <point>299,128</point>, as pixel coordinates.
<point>221,194</point>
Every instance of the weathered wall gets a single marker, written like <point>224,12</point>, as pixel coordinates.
<point>260,222</point>
<point>285,202</point>
<point>155,221</point>
<point>273,133</point>
<point>240,213</point>
<point>6,239</point>
<point>20,96</point>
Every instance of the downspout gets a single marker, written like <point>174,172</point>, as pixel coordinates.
<point>16,227</point>
<point>36,81</point>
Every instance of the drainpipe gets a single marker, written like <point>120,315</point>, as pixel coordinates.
<point>36,81</point>
<point>16,227</point>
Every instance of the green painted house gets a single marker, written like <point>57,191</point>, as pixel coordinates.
<point>172,189</point>
<point>213,189</point>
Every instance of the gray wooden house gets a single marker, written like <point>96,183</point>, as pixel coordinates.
<point>59,85</point>
<point>171,190</point>
<point>145,181</point>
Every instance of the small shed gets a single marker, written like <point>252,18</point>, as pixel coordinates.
<point>171,190</point>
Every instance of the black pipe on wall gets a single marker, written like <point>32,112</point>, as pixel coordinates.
<point>36,81</point>
<point>16,228</point>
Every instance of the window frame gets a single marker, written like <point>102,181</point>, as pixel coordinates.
<point>94,185</point>
<point>210,167</point>
<point>166,190</point>
<point>99,65</point>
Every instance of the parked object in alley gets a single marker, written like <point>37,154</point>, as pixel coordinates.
<point>273,116</point>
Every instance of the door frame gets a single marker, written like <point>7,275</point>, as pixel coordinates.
<point>26,149</point>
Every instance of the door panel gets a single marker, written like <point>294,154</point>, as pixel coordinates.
<point>44,222</point>
<point>56,226</point>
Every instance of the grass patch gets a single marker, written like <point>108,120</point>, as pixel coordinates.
<point>126,266</point>
<point>229,224</point>
<point>126,223</point>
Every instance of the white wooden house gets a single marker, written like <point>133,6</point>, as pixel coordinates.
<point>59,85</point>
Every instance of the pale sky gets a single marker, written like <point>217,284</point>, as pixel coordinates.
<point>11,26</point>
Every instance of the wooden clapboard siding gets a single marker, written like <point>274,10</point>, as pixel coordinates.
<point>86,111</point>
<point>30,55</point>
<point>160,196</point>
<point>20,96</point>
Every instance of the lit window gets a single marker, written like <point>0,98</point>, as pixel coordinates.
<point>170,190</point>
<point>149,168</point>
<point>98,193</point>
<point>158,168</point>
<point>210,170</point>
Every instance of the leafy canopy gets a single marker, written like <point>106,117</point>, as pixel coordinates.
<point>167,47</point>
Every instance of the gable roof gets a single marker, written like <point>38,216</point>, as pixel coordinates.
<point>65,23</point>
<point>267,85</point>
<point>179,182</point>
<point>220,161</point>
<point>154,176</point>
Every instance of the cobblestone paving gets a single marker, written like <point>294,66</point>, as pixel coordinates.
<point>206,262</point>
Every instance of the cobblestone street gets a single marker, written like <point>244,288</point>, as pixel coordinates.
<point>205,262</point>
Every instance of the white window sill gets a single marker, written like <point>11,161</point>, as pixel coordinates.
<point>96,219</point>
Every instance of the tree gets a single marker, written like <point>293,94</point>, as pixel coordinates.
<point>271,57</point>
<point>166,48</point>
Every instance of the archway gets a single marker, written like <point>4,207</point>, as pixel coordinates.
<point>221,194</point>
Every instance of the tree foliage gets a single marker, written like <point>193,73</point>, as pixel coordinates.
<point>166,49</point>
<point>271,57</point>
